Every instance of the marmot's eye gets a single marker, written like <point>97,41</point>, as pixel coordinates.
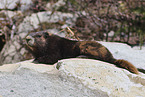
<point>46,35</point>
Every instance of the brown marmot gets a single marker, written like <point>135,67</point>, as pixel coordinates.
<point>49,48</point>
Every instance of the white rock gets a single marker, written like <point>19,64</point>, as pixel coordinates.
<point>25,4</point>
<point>70,77</point>
<point>110,34</point>
<point>11,4</point>
<point>49,6</point>
<point>31,22</point>
<point>102,76</point>
<point>11,14</point>
<point>56,5</point>
<point>38,80</point>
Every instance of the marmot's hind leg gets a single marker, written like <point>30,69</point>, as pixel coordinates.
<point>97,51</point>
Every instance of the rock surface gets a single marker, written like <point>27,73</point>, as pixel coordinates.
<point>12,4</point>
<point>69,78</point>
<point>32,22</point>
<point>56,5</point>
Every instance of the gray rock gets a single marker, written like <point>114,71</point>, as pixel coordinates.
<point>8,4</point>
<point>56,5</point>
<point>25,4</point>
<point>69,78</point>
<point>103,76</point>
<point>33,21</point>
<point>11,4</point>
<point>11,14</point>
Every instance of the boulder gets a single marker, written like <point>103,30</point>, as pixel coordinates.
<point>70,77</point>
<point>12,4</point>
<point>37,19</point>
<point>56,5</point>
<point>98,75</point>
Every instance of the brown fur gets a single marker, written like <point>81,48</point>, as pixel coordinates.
<point>49,48</point>
<point>127,65</point>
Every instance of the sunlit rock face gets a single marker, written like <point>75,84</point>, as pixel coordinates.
<point>70,77</point>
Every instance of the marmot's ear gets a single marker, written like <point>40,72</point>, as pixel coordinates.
<point>46,34</point>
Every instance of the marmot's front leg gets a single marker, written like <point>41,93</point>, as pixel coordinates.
<point>48,59</point>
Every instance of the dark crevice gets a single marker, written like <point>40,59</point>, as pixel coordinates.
<point>2,42</point>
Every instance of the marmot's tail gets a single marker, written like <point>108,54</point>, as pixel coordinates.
<point>126,65</point>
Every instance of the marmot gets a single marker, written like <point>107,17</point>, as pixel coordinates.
<point>49,48</point>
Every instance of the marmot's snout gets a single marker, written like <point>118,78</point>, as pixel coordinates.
<point>30,40</point>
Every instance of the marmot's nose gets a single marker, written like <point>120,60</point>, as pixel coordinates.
<point>28,38</point>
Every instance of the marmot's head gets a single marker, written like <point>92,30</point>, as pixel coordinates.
<point>37,42</point>
<point>37,39</point>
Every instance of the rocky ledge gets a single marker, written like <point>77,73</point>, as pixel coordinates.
<point>69,78</point>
